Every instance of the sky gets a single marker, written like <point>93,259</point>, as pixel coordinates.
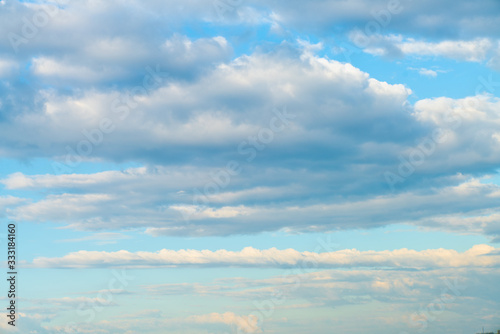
<point>248,166</point>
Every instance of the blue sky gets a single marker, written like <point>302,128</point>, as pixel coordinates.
<point>237,166</point>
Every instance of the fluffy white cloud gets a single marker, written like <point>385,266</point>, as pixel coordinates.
<point>145,322</point>
<point>475,50</point>
<point>156,83</point>
<point>345,128</point>
<point>478,256</point>
<point>236,100</point>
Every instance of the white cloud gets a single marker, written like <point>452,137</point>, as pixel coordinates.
<point>247,324</point>
<point>100,238</point>
<point>477,256</point>
<point>162,200</point>
<point>217,321</point>
<point>7,202</point>
<point>324,173</point>
<point>78,301</point>
<point>424,18</point>
<point>426,72</point>
<point>475,50</point>
<point>68,71</point>
<point>112,60</point>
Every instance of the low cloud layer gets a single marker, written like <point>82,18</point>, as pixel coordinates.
<point>478,256</point>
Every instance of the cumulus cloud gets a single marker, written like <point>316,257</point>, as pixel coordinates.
<point>225,322</point>
<point>478,256</point>
<point>7,67</point>
<point>8,202</point>
<point>331,102</point>
<point>105,62</point>
<point>163,203</point>
<point>245,324</point>
<point>342,125</point>
<point>465,294</point>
